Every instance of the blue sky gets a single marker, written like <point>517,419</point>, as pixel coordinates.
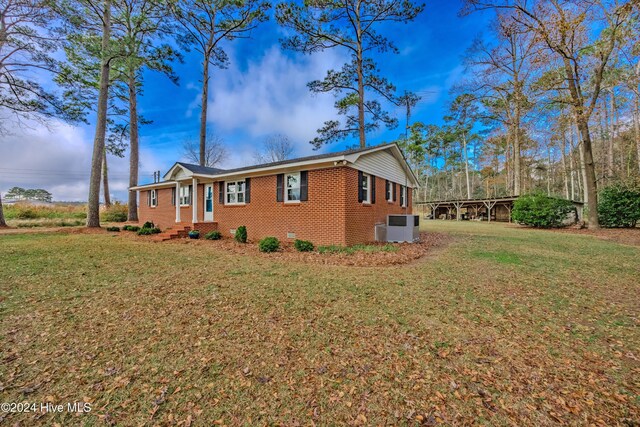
<point>261,93</point>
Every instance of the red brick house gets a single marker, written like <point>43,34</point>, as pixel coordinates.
<point>334,198</point>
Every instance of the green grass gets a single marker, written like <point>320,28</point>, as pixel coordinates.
<point>505,326</point>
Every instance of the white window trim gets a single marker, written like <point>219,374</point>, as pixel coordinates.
<point>286,187</point>
<point>404,196</point>
<point>226,192</point>
<point>154,198</point>
<point>389,188</point>
<point>367,193</point>
<point>184,188</point>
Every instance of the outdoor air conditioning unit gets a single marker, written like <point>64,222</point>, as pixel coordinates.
<point>403,228</point>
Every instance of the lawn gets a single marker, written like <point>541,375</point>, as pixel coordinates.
<point>505,326</point>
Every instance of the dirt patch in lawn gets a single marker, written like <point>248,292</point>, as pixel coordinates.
<point>370,255</point>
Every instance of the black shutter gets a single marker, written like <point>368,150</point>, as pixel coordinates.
<point>221,193</point>
<point>190,194</point>
<point>373,189</point>
<point>304,186</point>
<point>247,190</point>
<point>149,198</point>
<point>402,195</point>
<point>280,187</point>
<point>157,197</point>
<point>387,190</point>
<point>395,191</point>
<point>173,196</point>
<point>360,195</point>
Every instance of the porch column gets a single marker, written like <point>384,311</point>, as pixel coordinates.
<point>177,201</point>
<point>194,202</point>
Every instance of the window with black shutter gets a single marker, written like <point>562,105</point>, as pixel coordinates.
<point>149,198</point>
<point>173,196</point>
<point>402,195</point>
<point>221,192</point>
<point>247,190</point>
<point>372,179</point>
<point>280,187</point>
<point>360,195</point>
<point>395,191</point>
<point>304,186</point>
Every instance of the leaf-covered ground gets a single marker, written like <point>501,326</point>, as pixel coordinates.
<point>504,326</point>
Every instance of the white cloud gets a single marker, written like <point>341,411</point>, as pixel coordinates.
<point>271,96</point>
<point>56,158</point>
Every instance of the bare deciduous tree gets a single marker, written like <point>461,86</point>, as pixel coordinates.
<point>215,150</point>
<point>584,51</point>
<point>276,148</point>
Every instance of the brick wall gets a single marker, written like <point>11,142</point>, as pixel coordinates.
<point>320,219</point>
<point>362,217</point>
<point>332,214</point>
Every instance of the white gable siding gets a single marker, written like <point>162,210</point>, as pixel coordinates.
<point>180,174</point>
<point>384,165</point>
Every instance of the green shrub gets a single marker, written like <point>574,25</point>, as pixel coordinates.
<point>113,228</point>
<point>148,231</point>
<point>303,245</point>
<point>540,210</point>
<point>148,224</point>
<point>131,228</point>
<point>115,213</point>
<point>241,234</point>
<point>213,235</point>
<point>26,213</point>
<point>619,206</point>
<point>269,244</point>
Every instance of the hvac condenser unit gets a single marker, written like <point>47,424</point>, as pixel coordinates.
<point>403,228</point>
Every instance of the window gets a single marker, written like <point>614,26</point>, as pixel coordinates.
<point>366,188</point>
<point>403,196</point>
<point>154,198</point>
<point>185,199</point>
<point>389,191</point>
<point>235,192</point>
<point>292,187</point>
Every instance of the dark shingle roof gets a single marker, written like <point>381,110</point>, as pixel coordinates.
<point>213,171</point>
<point>201,169</point>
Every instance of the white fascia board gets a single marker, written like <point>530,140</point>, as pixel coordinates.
<point>258,171</point>
<point>170,172</point>
<point>164,184</point>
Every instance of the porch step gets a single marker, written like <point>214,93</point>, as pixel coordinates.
<point>178,232</point>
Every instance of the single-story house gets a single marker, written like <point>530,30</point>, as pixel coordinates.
<point>334,198</point>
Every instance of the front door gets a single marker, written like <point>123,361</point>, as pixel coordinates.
<point>208,202</point>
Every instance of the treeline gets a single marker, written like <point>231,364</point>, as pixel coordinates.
<point>108,46</point>
<point>550,103</point>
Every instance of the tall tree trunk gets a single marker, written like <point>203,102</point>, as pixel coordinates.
<point>582,122</point>
<point>3,223</point>
<point>203,110</point>
<point>589,171</point>
<point>359,64</point>
<point>517,171</point>
<point>564,167</point>
<point>133,147</point>
<point>610,154</point>
<point>93,208</point>
<point>466,165</point>
<point>105,181</point>
<point>636,126</point>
